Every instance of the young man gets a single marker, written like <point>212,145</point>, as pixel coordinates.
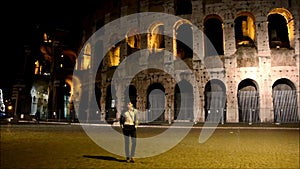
<point>129,123</point>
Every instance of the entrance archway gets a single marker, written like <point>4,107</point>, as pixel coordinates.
<point>156,102</point>
<point>284,101</point>
<point>184,101</point>
<point>215,101</point>
<point>248,101</point>
<point>110,104</point>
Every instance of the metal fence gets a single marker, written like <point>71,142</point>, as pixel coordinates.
<point>215,107</point>
<point>248,102</point>
<point>285,106</point>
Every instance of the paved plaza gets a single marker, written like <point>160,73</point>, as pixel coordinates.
<point>66,145</point>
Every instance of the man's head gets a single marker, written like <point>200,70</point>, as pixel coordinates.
<point>129,106</point>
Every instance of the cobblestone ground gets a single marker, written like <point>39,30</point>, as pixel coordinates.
<point>68,146</point>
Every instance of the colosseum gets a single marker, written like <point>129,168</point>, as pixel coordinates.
<point>226,61</point>
<point>251,76</point>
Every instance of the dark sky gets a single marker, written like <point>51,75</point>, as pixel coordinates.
<point>17,28</point>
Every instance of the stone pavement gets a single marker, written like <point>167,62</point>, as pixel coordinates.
<point>66,145</point>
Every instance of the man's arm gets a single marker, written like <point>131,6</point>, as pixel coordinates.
<point>122,120</point>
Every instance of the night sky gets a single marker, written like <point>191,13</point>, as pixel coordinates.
<point>18,26</point>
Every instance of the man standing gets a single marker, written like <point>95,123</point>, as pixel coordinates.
<point>129,123</point>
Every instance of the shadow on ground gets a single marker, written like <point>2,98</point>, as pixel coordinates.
<point>107,158</point>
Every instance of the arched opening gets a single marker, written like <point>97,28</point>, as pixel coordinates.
<point>284,101</point>
<point>213,29</point>
<point>85,61</point>
<point>244,30</point>
<point>39,97</point>
<point>184,101</point>
<point>133,39</point>
<point>156,40</point>
<point>130,95</point>
<point>215,101</point>
<point>184,41</point>
<point>66,97</point>
<point>248,101</point>
<point>156,44</point>
<point>278,31</point>
<point>183,7</point>
<point>114,54</point>
<point>156,102</point>
<point>111,103</point>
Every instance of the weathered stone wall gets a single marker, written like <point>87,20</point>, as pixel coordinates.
<point>260,64</point>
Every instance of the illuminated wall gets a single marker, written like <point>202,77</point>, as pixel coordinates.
<point>243,34</point>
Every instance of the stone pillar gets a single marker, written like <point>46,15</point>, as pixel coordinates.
<point>230,46</point>
<point>103,102</point>
<point>266,112</point>
<point>120,89</point>
<point>143,61</point>
<point>232,112</point>
<point>201,85</point>
<point>169,93</point>
<point>262,36</point>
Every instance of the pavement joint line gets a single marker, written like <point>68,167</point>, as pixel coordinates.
<point>200,127</point>
<point>163,126</point>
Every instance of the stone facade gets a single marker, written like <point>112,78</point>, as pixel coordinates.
<point>249,72</point>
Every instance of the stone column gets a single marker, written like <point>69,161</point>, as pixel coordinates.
<point>103,102</point>
<point>232,112</point>
<point>266,111</point>
<point>230,46</point>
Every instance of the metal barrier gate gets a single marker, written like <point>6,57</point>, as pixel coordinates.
<point>248,102</point>
<point>215,107</point>
<point>285,106</point>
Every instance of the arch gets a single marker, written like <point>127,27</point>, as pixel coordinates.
<point>181,22</point>
<point>114,54</point>
<point>248,85</point>
<point>215,101</point>
<point>156,102</point>
<point>213,29</point>
<point>70,54</point>
<point>110,103</point>
<point>156,39</point>
<point>280,28</point>
<point>184,101</point>
<point>285,102</point>
<point>133,38</point>
<point>245,29</point>
<point>248,101</point>
<point>183,42</point>
<point>288,82</point>
<point>85,60</point>
<point>39,94</point>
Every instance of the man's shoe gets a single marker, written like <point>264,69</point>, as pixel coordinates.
<point>128,160</point>
<point>131,160</point>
